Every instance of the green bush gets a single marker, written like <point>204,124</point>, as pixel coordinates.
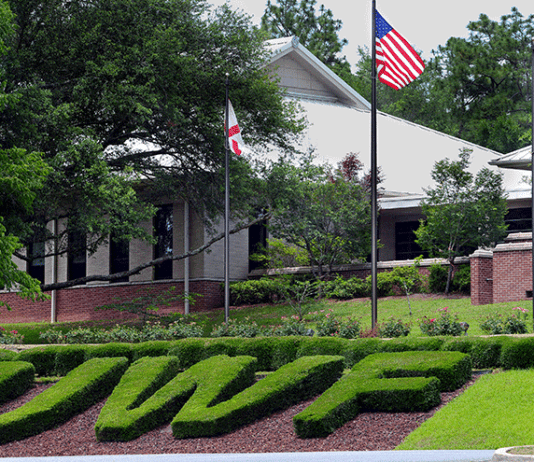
<point>139,406</point>
<point>485,352</point>
<point>518,353</point>
<point>444,324</point>
<point>78,390</point>
<point>393,328</point>
<point>43,359</point>
<point>110,350</point>
<point>346,289</point>
<point>15,378</point>
<point>391,382</point>
<point>255,291</point>
<point>462,279</point>
<point>294,382</point>
<point>123,417</point>
<point>516,323</point>
<point>437,279</point>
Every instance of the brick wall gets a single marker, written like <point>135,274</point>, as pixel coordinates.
<point>78,304</point>
<point>481,277</point>
<point>503,274</point>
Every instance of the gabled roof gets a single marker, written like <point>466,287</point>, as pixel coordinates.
<point>305,77</point>
<point>339,123</point>
<point>519,160</point>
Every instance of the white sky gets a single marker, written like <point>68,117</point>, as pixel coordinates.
<point>424,23</point>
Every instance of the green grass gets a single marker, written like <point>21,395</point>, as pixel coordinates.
<point>494,413</point>
<point>356,309</point>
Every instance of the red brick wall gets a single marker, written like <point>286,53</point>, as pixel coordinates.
<point>78,304</point>
<point>512,275</point>
<point>481,279</point>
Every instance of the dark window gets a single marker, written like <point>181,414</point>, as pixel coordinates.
<point>163,226</point>
<point>119,256</point>
<point>519,220</point>
<point>257,243</point>
<point>405,246</point>
<point>36,266</point>
<point>77,260</point>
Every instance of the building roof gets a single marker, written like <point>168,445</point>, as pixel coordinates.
<point>520,159</point>
<point>340,122</point>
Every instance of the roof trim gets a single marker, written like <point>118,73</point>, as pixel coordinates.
<point>520,159</point>
<point>291,45</point>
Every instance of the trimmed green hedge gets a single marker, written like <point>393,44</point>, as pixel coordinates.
<point>125,416</point>
<point>15,378</point>
<point>81,388</point>
<point>292,383</point>
<point>274,352</point>
<point>392,382</point>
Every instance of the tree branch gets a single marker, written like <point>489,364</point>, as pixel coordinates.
<point>157,261</point>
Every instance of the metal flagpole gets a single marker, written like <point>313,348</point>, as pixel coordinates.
<point>532,181</point>
<point>374,243</point>
<point>227,211</point>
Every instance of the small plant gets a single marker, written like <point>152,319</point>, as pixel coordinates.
<point>233,328</point>
<point>350,329</point>
<point>52,336</point>
<point>11,337</point>
<point>328,326</point>
<point>445,324</point>
<point>290,326</point>
<point>516,323</point>
<point>393,328</point>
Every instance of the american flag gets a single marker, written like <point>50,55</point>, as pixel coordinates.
<point>397,62</point>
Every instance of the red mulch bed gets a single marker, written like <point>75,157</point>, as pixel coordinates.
<point>374,431</point>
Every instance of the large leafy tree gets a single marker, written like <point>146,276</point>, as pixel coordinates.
<point>125,99</point>
<point>486,79</point>
<point>462,212</point>
<point>316,29</point>
<point>21,177</point>
<point>325,212</point>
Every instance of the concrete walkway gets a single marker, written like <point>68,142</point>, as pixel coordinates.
<point>360,456</point>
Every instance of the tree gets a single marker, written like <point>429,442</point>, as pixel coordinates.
<point>327,213</point>
<point>318,32</point>
<point>21,177</point>
<point>486,78</point>
<point>123,118</point>
<point>462,212</point>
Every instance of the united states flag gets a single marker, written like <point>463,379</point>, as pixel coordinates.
<point>397,62</point>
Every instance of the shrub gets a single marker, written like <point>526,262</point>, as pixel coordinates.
<point>294,382</point>
<point>393,328</point>
<point>289,327</point>
<point>518,353</point>
<point>255,291</point>
<point>234,328</point>
<point>462,279</point>
<point>81,388</point>
<point>444,324</point>
<point>515,323</point>
<point>15,378</point>
<point>123,417</point>
<point>384,382</point>
<point>437,279</point>
<point>346,289</point>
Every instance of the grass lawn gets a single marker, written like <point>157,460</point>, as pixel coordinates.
<point>397,307</point>
<point>495,412</point>
<point>421,305</point>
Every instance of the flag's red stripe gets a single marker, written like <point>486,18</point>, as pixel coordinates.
<point>233,131</point>
<point>235,147</point>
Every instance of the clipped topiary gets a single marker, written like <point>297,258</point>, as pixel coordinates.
<point>15,378</point>
<point>392,382</point>
<point>78,390</point>
<point>135,407</point>
<point>204,415</point>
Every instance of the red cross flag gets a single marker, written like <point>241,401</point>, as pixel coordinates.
<point>234,132</point>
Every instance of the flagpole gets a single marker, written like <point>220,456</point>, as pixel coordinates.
<point>532,181</point>
<point>227,210</point>
<point>374,234</point>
